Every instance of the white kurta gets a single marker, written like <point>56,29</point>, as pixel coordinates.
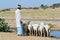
<point>18,17</point>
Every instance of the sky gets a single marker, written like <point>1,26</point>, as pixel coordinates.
<point>25,3</point>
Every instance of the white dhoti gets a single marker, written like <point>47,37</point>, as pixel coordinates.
<point>18,23</point>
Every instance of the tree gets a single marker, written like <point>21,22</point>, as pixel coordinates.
<point>55,5</point>
<point>44,6</point>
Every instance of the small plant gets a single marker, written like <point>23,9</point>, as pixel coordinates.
<point>52,25</point>
<point>4,26</point>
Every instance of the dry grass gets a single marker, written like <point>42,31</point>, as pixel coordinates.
<point>34,13</point>
<point>40,13</point>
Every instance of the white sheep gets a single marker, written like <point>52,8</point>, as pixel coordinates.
<point>47,28</point>
<point>41,28</point>
<point>30,28</point>
<point>35,26</point>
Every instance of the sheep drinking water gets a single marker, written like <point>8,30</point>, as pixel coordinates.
<point>47,27</point>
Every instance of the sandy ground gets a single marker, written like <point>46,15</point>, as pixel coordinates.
<point>14,36</point>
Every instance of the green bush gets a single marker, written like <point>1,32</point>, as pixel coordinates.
<point>52,25</point>
<point>4,26</point>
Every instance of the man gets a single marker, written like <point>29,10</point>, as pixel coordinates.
<point>18,20</point>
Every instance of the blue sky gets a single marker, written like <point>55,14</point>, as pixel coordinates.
<point>25,3</point>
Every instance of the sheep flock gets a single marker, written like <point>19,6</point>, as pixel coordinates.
<point>34,29</point>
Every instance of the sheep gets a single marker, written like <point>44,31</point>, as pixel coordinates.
<point>47,28</point>
<point>35,26</point>
<point>41,28</point>
<point>30,28</point>
<point>25,29</point>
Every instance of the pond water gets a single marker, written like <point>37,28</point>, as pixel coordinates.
<point>55,34</point>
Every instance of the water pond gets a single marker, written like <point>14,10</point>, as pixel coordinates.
<point>55,34</point>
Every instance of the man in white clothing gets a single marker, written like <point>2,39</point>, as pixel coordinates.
<point>18,20</point>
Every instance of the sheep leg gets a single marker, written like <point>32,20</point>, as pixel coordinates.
<point>47,33</point>
<point>44,33</point>
<point>36,32</point>
<point>41,33</point>
<point>32,32</point>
